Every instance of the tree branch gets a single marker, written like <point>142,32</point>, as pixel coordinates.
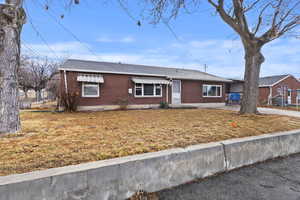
<point>260,18</point>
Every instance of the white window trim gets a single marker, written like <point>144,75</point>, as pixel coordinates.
<point>148,96</point>
<point>221,92</point>
<point>93,85</point>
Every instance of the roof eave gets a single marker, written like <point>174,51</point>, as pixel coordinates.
<point>272,85</point>
<point>108,72</point>
<point>141,74</point>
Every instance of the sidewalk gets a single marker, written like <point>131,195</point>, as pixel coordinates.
<point>274,180</point>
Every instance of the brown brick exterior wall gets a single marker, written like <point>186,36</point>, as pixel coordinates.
<point>116,86</point>
<point>192,92</point>
<point>291,82</point>
<point>264,93</point>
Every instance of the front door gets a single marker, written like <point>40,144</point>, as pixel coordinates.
<point>289,96</point>
<point>176,92</point>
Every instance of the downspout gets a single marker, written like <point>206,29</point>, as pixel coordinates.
<point>66,83</point>
<point>270,96</point>
<point>172,89</point>
<point>167,93</point>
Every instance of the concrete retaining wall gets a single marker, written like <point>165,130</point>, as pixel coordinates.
<point>121,177</point>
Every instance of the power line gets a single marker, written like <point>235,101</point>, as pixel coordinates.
<point>65,28</point>
<point>39,34</point>
<point>127,11</point>
<point>30,49</point>
<point>171,30</point>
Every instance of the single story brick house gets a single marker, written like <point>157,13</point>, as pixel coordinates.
<point>279,89</point>
<point>103,85</point>
<point>284,88</point>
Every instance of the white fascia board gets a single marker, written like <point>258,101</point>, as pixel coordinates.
<point>281,80</point>
<point>108,72</point>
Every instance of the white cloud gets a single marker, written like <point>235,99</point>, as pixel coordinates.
<point>127,39</point>
<point>55,50</point>
<point>223,57</point>
<point>105,39</point>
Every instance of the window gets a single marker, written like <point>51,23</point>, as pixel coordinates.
<point>148,90</point>
<point>158,90</point>
<point>212,91</point>
<point>138,89</point>
<point>289,93</point>
<point>90,90</point>
<point>298,94</point>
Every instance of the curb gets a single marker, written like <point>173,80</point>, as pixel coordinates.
<point>120,178</point>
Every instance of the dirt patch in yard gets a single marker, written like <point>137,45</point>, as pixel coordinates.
<point>52,140</point>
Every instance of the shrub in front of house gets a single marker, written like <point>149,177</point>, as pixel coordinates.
<point>70,101</point>
<point>123,103</point>
<point>163,105</point>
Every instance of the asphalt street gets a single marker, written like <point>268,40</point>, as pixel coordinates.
<point>273,180</point>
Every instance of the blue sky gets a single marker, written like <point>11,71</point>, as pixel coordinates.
<point>102,30</point>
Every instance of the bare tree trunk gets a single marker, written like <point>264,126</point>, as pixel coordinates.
<point>254,60</point>
<point>12,18</point>
<point>26,94</point>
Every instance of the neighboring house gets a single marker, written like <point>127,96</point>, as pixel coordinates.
<point>103,85</point>
<point>279,89</point>
<point>234,91</point>
<point>236,86</point>
<point>30,94</point>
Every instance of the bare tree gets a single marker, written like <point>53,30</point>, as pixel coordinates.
<point>12,18</point>
<point>41,71</point>
<point>257,22</point>
<point>53,86</point>
<point>24,76</point>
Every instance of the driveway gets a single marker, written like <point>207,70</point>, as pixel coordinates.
<point>273,180</point>
<point>266,111</point>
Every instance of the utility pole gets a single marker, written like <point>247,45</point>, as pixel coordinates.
<point>205,67</point>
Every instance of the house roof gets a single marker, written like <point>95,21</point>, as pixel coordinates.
<point>120,68</point>
<point>271,80</point>
<point>236,80</point>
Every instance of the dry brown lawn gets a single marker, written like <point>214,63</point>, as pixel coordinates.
<point>58,139</point>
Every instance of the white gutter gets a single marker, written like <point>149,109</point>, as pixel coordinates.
<point>110,72</point>
<point>66,83</point>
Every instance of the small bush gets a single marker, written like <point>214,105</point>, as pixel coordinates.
<point>70,101</point>
<point>123,103</point>
<point>163,105</point>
